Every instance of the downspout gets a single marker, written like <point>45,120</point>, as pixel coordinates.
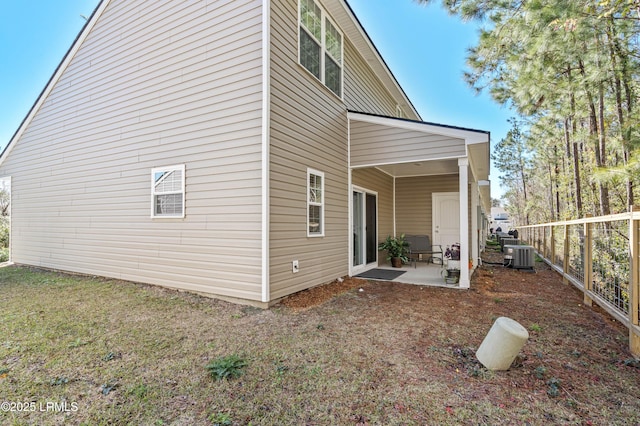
<point>394,206</point>
<point>463,165</point>
<point>475,231</point>
<point>349,200</point>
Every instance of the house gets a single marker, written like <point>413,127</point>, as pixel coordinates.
<point>244,149</point>
<point>500,219</point>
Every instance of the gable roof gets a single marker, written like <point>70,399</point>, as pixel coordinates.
<point>474,143</point>
<point>349,23</point>
<point>55,76</point>
<point>339,9</point>
<point>470,135</point>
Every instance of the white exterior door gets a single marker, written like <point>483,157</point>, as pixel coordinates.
<point>445,210</point>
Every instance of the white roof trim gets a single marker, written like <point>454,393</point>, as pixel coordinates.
<point>56,76</point>
<point>468,135</point>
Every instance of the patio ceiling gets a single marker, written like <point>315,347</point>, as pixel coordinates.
<point>424,168</point>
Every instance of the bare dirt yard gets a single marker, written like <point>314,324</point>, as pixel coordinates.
<point>575,368</point>
<point>351,353</point>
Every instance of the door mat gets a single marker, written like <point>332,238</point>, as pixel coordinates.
<point>381,274</point>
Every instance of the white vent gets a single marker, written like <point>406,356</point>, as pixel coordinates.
<point>519,257</point>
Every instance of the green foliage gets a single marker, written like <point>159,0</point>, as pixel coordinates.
<point>110,356</point>
<point>226,367</point>
<point>535,328</point>
<point>570,70</point>
<point>395,247</point>
<point>139,391</point>
<point>77,343</point>
<point>611,264</point>
<point>220,419</point>
<point>539,372</point>
<point>554,387</point>
<point>59,381</point>
<point>106,388</point>
<point>4,231</point>
<point>4,254</point>
<point>512,156</point>
<point>493,243</point>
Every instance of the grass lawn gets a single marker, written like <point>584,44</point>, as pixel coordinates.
<point>84,350</point>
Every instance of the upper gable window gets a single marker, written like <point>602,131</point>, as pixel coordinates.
<point>167,191</point>
<point>320,46</point>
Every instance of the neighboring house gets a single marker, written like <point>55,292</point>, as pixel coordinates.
<point>244,149</point>
<point>500,219</point>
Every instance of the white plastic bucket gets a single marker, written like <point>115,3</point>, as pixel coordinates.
<point>502,344</point>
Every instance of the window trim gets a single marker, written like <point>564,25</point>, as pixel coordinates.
<point>321,204</point>
<point>324,17</point>
<point>179,167</point>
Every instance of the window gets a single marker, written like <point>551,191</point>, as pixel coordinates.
<point>320,46</point>
<point>315,203</point>
<point>167,191</point>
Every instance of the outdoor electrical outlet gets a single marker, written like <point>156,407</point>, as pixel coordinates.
<point>295,266</point>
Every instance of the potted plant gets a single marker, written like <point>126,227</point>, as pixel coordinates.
<point>452,254</point>
<point>397,249</point>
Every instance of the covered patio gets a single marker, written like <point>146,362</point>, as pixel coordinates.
<point>426,274</point>
<point>417,178</point>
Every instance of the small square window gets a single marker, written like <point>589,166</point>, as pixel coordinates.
<point>167,191</point>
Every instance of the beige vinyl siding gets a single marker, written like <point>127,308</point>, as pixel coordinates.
<point>154,84</point>
<point>363,92</point>
<point>377,181</point>
<point>414,214</point>
<point>377,144</point>
<point>413,201</point>
<point>308,130</point>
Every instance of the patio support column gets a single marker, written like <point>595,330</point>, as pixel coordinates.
<point>475,226</point>
<point>463,177</point>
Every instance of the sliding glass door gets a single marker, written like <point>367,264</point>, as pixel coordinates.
<point>365,229</point>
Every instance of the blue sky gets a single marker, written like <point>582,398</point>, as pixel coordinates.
<point>424,47</point>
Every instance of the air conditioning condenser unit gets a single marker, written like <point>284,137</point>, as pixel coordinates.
<point>519,257</point>
<point>509,242</point>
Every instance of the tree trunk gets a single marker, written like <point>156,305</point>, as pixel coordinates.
<point>602,140</point>
<point>599,146</point>
<point>567,148</point>
<point>570,135</point>
<point>620,73</point>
